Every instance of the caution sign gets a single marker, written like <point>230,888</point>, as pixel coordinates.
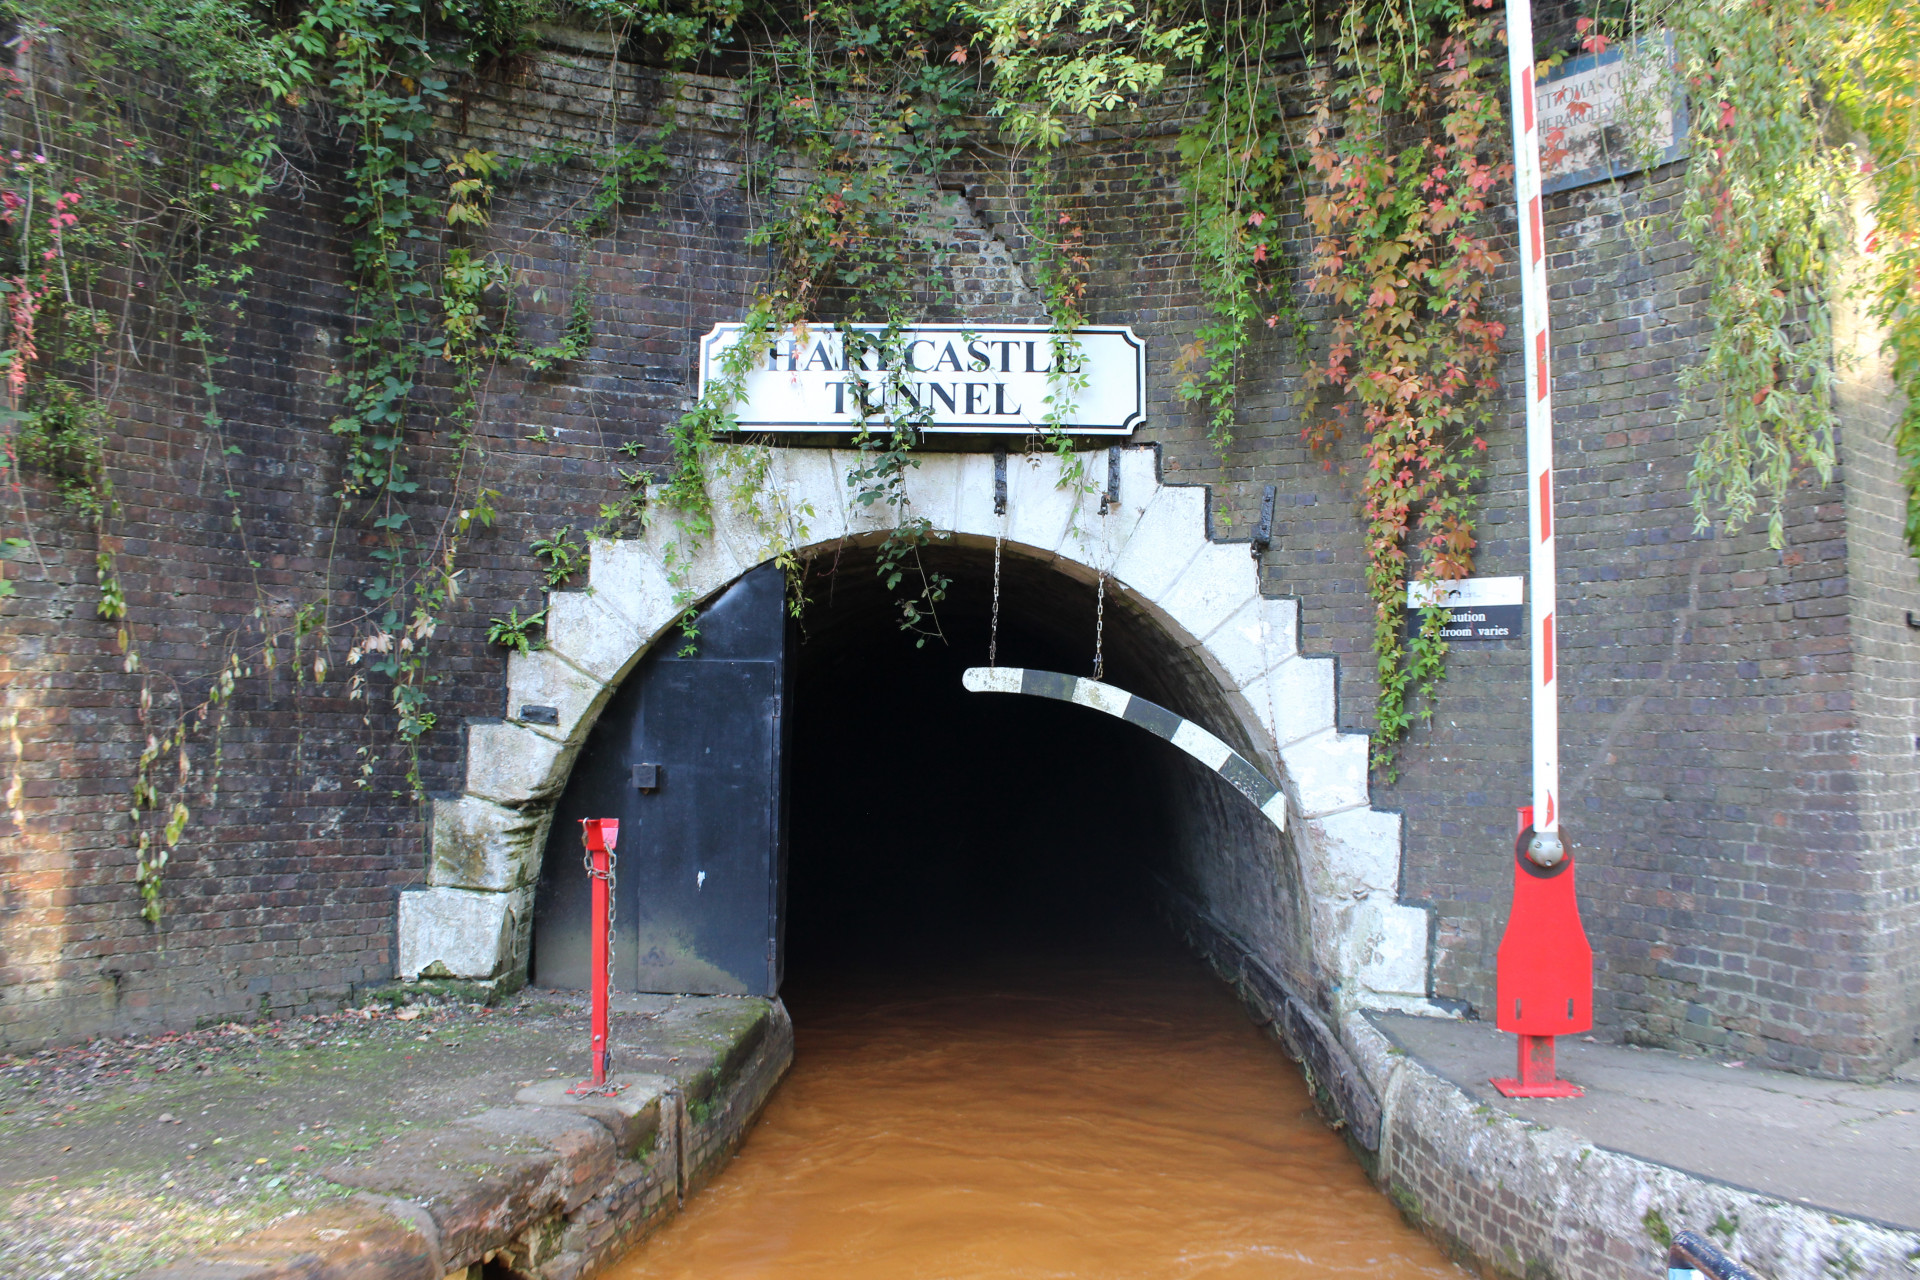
<point>1477,608</point>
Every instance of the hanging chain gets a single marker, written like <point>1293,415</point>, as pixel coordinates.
<point>1100,607</point>
<point>993,634</point>
<point>613,903</point>
<point>1100,631</point>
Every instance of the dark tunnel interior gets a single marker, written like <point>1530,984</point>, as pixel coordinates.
<point>929,822</point>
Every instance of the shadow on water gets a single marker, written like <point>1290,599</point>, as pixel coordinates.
<point>1005,1065</point>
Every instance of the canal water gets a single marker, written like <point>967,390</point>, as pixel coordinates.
<point>1098,1107</point>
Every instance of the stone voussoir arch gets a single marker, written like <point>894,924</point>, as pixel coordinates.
<point>473,917</point>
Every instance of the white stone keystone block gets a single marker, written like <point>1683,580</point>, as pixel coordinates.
<point>932,490</point>
<point>816,494</point>
<point>481,845</point>
<point>1039,509</point>
<point>973,502</point>
<point>460,933</point>
<point>511,765</point>
<point>1328,772</point>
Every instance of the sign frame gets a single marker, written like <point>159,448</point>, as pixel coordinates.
<point>1124,402</point>
<point>1621,161</point>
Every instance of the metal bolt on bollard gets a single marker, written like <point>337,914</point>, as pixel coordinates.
<point>1692,1257</point>
<point>600,836</point>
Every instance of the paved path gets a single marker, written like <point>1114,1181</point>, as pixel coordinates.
<point>1845,1147</point>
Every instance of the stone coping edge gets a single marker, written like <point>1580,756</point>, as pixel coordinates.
<point>550,1190</point>
<point>1523,1199</point>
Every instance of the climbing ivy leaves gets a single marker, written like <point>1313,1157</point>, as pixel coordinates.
<point>1402,253</point>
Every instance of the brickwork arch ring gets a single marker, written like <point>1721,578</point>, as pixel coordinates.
<point>472,918</point>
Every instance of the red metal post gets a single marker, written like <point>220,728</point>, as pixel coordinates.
<point>600,835</point>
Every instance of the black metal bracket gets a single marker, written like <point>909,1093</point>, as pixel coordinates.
<point>1263,532</point>
<point>1111,498</point>
<point>999,482</point>
<point>1911,621</point>
<point>646,777</point>
<point>530,714</point>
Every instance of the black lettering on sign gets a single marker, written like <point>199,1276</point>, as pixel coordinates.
<point>1476,622</point>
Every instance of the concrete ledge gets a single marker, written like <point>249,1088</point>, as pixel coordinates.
<point>1517,1198</point>
<point>550,1188</point>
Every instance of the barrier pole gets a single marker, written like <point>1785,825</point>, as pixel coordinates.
<point>1544,984</point>
<point>600,836</point>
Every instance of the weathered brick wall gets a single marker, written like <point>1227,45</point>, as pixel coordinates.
<point>1721,729</point>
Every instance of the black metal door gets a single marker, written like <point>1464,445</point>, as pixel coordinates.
<point>702,856</point>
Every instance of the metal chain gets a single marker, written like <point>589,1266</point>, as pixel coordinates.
<point>1100,631</point>
<point>993,635</point>
<point>613,903</point>
<point>1100,608</point>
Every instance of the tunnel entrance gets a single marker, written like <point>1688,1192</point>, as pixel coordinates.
<point>894,813</point>
<point>933,824</point>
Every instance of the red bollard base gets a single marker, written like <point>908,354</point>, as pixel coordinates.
<point>1537,1079</point>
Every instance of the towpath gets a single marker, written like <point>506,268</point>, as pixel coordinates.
<point>1848,1147</point>
<point>396,1139</point>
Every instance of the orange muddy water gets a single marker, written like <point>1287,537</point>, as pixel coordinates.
<point>1090,1114</point>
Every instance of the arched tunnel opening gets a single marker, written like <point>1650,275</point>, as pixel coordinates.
<point>932,827</point>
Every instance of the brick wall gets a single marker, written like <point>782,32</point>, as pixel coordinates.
<point>1739,778</point>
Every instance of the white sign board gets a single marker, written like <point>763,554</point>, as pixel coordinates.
<point>1477,608</point>
<point>1605,114</point>
<point>971,379</point>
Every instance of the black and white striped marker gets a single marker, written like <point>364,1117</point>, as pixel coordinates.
<point>1155,719</point>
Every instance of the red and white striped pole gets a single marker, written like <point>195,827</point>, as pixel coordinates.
<point>1545,848</point>
<point>1544,975</point>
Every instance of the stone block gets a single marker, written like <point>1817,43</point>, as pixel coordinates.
<point>460,933</point>
<point>325,1244</point>
<point>973,504</point>
<point>1295,699</point>
<point>1255,638</point>
<point>544,678</point>
<point>1328,772</point>
<point>629,576</point>
<point>592,634</point>
<point>584,1146</point>
<point>481,845</point>
<point>1040,509</point>
<point>933,490</point>
<point>1219,580</point>
<point>1169,535</point>
<point>1356,854</point>
<point>632,1115</point>
<point>512,765</point>
<point>815,495</point>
